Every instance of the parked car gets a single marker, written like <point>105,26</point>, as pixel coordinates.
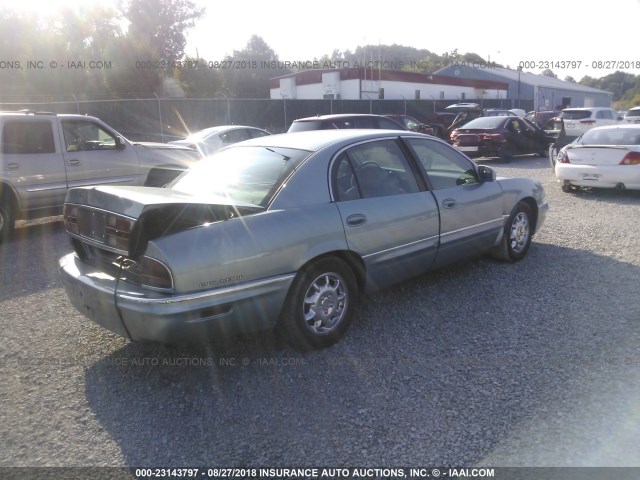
<point>465,112</point>
<point>579,120</point>
<point>411,123</point>
<point>44,154</point>
<point>604,157</point>
<point>541,117</point>
<point>287,231</point>
<point>209,140</point>
<point>440,122</point>
<point>342,121</point>
<point>500,136</point>
<point>497,112</point>
<point>632,115</point>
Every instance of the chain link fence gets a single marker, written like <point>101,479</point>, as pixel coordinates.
<point>162,120</point>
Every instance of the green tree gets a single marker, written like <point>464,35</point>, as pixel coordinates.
<point>158,26</point>
<point>253,66</point>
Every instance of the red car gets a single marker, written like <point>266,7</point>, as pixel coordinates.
<point>500,137</point>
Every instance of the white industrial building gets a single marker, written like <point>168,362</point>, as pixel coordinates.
<point>368,84</point>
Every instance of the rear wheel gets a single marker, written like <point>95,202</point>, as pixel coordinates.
<point>516,238</point>
<point>320,304</point>
<point>553,153</point>
<point>566,187</point>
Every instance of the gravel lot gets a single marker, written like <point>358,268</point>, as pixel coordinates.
<point>532,364</point>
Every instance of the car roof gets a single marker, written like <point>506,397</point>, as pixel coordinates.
<point>314,140</point>
<point>624,126</point>
<point>336,116</point>
<point>590,109</point>
<point>220,128</point>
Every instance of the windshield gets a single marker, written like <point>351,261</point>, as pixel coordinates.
<point>486,122</point>
<point>202,134</point>
<point>575,114</point>
<point>611,136</point>
<point>633,113</point>
<point>242,174</point>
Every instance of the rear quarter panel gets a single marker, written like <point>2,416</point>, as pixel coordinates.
<point>249,248</point>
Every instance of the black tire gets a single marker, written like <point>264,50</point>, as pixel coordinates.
<point>566,187</point>
<point>505,154</point>
<point>553,153</point>
<point>516,238</point>
<point>7,218</point>
<point>335,284</point>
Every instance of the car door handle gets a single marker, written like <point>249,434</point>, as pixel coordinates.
<point>448,203</point>
<point>356,220</point>
<point>74,162</point>
<point>12,166</point>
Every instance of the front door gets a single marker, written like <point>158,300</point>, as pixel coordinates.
<point>388,220</point>
<point>470,210</point>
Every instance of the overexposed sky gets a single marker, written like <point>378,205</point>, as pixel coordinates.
<point>507,31</point>
<point>572,37</point>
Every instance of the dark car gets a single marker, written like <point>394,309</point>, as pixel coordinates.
<point>500,137</point>
<point>342,121</point>
<point>440,122</point>
<point>541,117</point>
<point>411,123</point>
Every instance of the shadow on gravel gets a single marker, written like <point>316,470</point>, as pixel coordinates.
<point>29,259</point>
<point>609,195</point>
<point>437,371</point>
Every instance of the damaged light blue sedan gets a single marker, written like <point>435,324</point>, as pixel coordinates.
<point>287,231</point>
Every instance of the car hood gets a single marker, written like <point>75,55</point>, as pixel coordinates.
<point>156,212</point>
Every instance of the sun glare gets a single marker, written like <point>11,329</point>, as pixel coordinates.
<point>47,8</point>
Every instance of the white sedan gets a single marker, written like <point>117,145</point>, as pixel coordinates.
<point>603,157</point>
<point>211,139</point>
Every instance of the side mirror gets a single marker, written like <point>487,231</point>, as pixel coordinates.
<point>120,145</point>
<point>486,174</point>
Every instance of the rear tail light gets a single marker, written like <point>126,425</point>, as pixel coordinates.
<point>494,137</point>
<point>155,275</point>
<point>631,158</point>
<point>70,215</point>
<point>118,231</point>
<point>563,157</point>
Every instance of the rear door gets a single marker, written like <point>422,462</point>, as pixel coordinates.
<point>32,161</point>
<point>92,155</point>
<point>388,218</point>
<point>470,211</point>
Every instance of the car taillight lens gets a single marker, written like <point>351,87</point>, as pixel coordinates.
<point>495,137</point>
<point>118,232</point>
<point>70,215</point>
<point>155,275</point>
<point>563,157</point>
<point>631,158</point>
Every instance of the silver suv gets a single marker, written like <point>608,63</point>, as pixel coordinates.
<point>579,120</point>
<point>44,154</point>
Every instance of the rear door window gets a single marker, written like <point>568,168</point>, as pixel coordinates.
<point>27,137</point>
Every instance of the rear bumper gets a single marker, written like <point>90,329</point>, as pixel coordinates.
<point>141,316</point>
<point>599,176</point>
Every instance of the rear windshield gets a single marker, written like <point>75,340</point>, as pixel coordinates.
<point>244,175</point>
<point>486,122</point>
<point>633,113</point>
<point>611,136</point>
<point>575,114</point>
